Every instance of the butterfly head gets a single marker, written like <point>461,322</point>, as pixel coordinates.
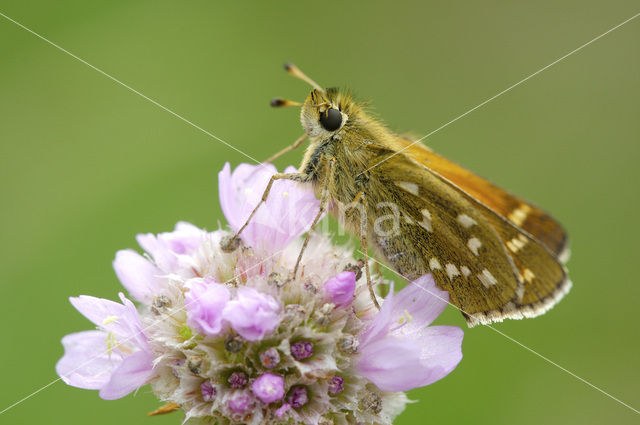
<point>327,113</point>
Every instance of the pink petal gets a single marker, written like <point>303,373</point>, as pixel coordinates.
<point>167,249</point>
<point>204,303</point>
<point>288,212</point>
<point>139,277</point>
<point>422,300</point>
<point>133,325</point>
<point>122,320</point>
<point>381,323</point>
<point>106,314</point>
<point>135,371</point>
<point>393,364</point>
<point>86,362</point>
<point>441,351</point>
<point>241,191</point>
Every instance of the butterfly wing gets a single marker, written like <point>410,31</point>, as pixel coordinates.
<point>491,268</point>
<point>536,222</point>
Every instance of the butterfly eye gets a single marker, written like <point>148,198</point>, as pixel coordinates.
<point>331,119</point>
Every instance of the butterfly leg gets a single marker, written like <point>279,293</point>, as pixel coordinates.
<point>323,207</point>
<point>289,148</point>
<point>360,198</point>
<point>230,244</point>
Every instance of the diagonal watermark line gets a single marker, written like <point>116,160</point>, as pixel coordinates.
<point>31,395</point>
<point>132,337</point>
<point>505,90</point>
<point>112,78</point>
<point>563,369</point>
<point>531,350</point>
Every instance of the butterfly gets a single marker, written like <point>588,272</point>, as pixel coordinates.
<point>497,255</point>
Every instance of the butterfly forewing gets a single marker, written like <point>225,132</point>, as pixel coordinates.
<point>523,214</point>
<point>450,237</point>
<point>491,268</point>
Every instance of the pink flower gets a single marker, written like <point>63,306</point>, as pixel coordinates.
<point>139,277</point>
<point>268,387</point>
<point>340,288</point>
<point>116,359</point>
<point>287,213</point>
<point>398,351</point>
<point>252,314</point>
<point>204,302</point>
<point>171,253</point>
<point>240,402</point>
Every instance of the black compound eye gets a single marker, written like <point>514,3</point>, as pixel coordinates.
<point>331,119</point>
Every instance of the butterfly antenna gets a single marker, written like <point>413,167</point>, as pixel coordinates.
<point>295,71</point>
<point>279,102</point>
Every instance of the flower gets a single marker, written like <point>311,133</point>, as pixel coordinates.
<point>336,385</point>
<point>298,396</point>
<point>341,287</point>
<point>252,314</point>
<point>398,352</point>
<point>139,276</point>
<point>171,253</point>
<point>270,358</point>
<point>204,302</point>
<point>116,359</point>
<point>208,391</point>
<point>234,337</point>
<point>302,350</point>
<point>237,380</point>
<point>240,402</point>
<point>268,387</point>
<point>287,213</point>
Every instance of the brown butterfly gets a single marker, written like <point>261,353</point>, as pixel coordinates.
<point>497,255</point>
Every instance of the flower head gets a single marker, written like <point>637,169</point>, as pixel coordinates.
<point>234,337</point>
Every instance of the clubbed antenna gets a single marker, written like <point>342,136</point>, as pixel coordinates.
<point>279,102</point>
<point>295,71</point>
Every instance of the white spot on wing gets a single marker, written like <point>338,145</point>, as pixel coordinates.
<point>474,244</point>
<point>487,278</point>
<point>452,270</point>
<point>434,264</point>
<point>528,275</point>
<point>412,188</point>
<point>466,221</point>
<point>426,220</point>
<point>465,271</point>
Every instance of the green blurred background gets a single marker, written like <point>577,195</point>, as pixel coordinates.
<point>86,164</point>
